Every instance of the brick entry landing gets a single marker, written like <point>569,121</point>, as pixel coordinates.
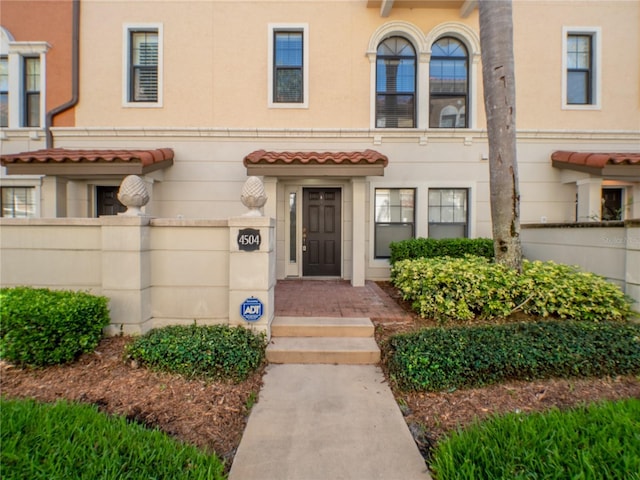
<point>335,298</point>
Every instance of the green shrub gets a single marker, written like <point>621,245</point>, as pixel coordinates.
<point>465,288</point>
<point>65,441</point>
<point>443,358</point>
<point>552,289</point>
<point>217,351</point>
<point>446,288</point>
<point>41,327</point>
<point>446,247</point>
<point>590,442</point>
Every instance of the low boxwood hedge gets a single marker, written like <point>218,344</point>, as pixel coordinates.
<point>214,351</point>
<point>446,247</point>
<point>41,327</point>
<point>444,358</point>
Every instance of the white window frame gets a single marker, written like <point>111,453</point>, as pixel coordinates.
<point>23,182</point>
<point>596,75</point>
<point>127,28</point>
<point>288,27</point>
<point>16,52</point>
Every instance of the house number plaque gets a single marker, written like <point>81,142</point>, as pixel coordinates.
<point>249,239</point>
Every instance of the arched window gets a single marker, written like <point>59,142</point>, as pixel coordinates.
<point>448,84</point>
<point>395,84</point>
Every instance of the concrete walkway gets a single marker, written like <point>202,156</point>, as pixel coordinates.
<point>327,422</point>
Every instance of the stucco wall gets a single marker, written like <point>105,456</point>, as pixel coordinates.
<point>610,249</point>
<point>155,272</point>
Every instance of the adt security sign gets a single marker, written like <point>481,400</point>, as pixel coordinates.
<point>251,309</point>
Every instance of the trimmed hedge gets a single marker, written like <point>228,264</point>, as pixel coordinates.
<point>465,288</point>
<point>41,327</point>
<point>447,247</point>
<point>444,358</point>
<point>214,351</point>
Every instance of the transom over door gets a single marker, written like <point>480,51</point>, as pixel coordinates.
<point>321,232</point>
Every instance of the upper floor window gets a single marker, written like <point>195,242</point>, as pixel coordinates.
<point>395,84</point>
<point>289,72</point>
<point>580,71</point>
<point>31,72</point>
<point>288,85</point>
<point>22,82</point>
<point>143,67</point>
<point>448,84</point>
<point>4,92</point>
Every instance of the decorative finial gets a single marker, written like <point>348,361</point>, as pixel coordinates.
<point>133,194</point>
<point>253,196</point>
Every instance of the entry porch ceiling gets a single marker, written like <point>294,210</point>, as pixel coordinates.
<point>385,6</point>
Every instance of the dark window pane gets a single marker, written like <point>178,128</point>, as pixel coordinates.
<point>144,67</point>
<point>32,118</point>
<point>395,84</point>
<point>288,67</point>
<point>395,111</point>
<point>579,70</point>
<point>288,85</point>
<point>448,112</point>
<point>577,87</point>
<point>448,84</point>
<point>4,109</point>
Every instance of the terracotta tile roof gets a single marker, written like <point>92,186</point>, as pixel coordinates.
<point>369,157</point>
<point>62,155</point>
<point>594,159</point>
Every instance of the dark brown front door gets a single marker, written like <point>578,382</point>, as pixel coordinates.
<point>321,225</point>
<point>107,202</point>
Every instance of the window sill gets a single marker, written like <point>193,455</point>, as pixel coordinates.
<point>142,105</point>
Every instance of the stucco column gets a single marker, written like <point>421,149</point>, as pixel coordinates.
<point>589,199</point>
<point>358,253</point>
<point>270,190</point>
<point>252,272</point>
<point>53,197</point>
<point>126,272</point>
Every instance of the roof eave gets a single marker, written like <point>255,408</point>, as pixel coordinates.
<point>84,169</point>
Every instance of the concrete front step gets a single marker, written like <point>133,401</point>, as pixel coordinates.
<point>327,350</point>
<point>321,327</point>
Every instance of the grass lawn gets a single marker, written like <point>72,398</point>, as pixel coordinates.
<point>599,441</point>
<point>65,441</point>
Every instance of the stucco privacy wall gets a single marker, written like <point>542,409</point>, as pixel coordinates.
<point>155,272</point>
<point>610,249</point>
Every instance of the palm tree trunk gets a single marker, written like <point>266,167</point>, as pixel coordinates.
<point>496,43</point>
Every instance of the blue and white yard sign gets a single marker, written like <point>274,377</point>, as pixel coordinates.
<point>251,309</point>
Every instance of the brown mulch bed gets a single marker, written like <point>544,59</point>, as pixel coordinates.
<point>212,415</point>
